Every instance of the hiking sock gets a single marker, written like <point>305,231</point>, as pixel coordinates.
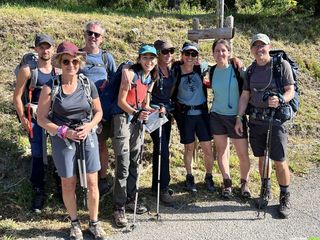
<point>284,189</point>
<point>227,183</point>
<point>75,221</point>
<point>93,222</point>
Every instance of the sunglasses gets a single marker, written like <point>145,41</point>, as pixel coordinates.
<point>167,51</point>
<point>192,54</point>
<point>66,62</point>
<point>90,34</point>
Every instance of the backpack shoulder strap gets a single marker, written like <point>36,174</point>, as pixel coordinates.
<point>104,56</point>
<point>277,71</point>
<point>56,84</point>
<point>211,71</point>
<point>85,82</point>
<point>238,77</point>
<point>176,74</point>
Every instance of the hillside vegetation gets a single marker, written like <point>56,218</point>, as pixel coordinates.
<point>299,35</point>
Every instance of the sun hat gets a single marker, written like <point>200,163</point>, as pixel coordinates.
<point>66,47</point>
<point>260,37</point>
<point>43,38</point>
<point>189,46</point>
<point>147,49</point>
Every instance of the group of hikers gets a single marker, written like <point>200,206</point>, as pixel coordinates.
<point>89,91</point>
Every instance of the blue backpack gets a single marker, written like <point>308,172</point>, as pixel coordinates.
<point>109,95</point>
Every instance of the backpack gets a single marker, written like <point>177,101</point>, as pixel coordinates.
<point>236,71</point>
<point>30,59</point>
<point>56,85</point>
<point>109,95</point>
<point>278,56</point>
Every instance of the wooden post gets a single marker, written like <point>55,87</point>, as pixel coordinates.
<point>229,24</point>
<point>220,9</point>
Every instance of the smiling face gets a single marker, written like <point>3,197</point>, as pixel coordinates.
<point>165,56</point>
<point>148,61</point>
<point>221,54</point>
<point>45,51</point>
<point>260,51</point>
<point>189,57</point>
<point>70,64</point>
<point>93,36</point>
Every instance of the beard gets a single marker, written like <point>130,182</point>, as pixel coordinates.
<point>45,58</point>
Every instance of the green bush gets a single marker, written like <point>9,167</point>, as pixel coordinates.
<point>254,6</point>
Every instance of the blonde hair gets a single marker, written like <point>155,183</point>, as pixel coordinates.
<point>79,57</point>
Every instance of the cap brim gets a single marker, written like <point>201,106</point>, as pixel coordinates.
<point>145,52</point>
<point>54,60</point>
<point>187,48</point>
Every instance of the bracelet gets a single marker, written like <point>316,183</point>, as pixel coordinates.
<point>62,131</point>
<point>239,116</point>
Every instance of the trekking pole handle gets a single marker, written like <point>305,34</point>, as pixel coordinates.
<point>161,114</point>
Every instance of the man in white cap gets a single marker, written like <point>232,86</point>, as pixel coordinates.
<point>261,93</point>
<point>44,47</point>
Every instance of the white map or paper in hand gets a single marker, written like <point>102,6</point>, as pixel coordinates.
<point>154,121</point>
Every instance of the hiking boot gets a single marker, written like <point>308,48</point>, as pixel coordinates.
<point>284,207</point>
<point>227,193</point>
<point>96,230</point>
<point>75,231</point>
<point>120,217</point>
<point>209,183</point>
<point>190,185</point>
<point>38,200</point>
<point>166,197</point>
<point>244,189</point>
<point>141,209</point>
<point>104,186</point>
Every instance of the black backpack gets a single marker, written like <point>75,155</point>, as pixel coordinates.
<point>278,56</point>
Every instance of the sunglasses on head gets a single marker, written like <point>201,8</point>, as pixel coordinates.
<point>167,51</point>
<point>192,54</point>
<point>90,34</point>
<point>66,62</point>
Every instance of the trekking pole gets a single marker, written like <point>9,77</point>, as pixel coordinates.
<point>159,160</point>
<point>82,171</point>
<point>44,147</point>
<point>264,196</point>
<point>133,226</point>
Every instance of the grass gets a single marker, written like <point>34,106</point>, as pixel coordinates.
<point>299,35</point>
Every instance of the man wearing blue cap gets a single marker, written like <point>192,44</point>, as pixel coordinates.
<point>260,91</point>
<point>42,72</point>
<point>133,103</point>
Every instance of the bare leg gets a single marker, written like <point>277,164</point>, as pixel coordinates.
<point>241,146</point>
<point>222,147</point>
<point>93,195</point>
<point>283,173</point>
<point>208,155</point>
<point>188,154</point>
<point>69,195</point>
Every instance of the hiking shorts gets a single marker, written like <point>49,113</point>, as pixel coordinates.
<point>258,140</point>
<point>224,125</point>
<point>191,125</point>
<point>65,157</point>
<point>107,130</point>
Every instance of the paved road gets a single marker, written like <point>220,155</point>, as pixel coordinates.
<point>236,219</point>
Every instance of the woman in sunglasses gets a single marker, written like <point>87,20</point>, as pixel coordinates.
<point>69,109</point>
<point>133,102</point>
<point>191,113</point>
<point>161,95</point>
<point>226,85</point>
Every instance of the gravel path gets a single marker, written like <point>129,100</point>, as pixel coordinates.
<point>235,219</point>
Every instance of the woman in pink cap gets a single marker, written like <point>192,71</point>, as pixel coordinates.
<point>69,109</point>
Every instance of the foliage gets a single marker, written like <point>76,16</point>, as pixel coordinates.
<point>254,6</point>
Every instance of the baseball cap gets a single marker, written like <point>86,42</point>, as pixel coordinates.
<point>147,49</point>
<point>68,48</point>
<point>260,37</point>
<point>189,46</point>
<point>163,44</point>
<point>43,38</point>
